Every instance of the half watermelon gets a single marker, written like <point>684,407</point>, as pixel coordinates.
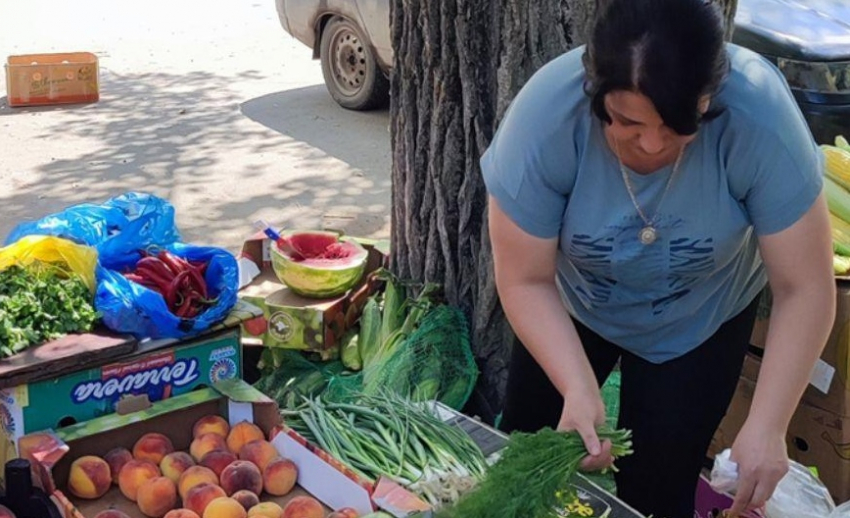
<point>318,264</point>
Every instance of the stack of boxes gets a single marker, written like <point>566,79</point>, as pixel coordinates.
<point>819,432</point>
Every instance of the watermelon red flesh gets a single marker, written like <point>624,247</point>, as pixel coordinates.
<point>311,245</point>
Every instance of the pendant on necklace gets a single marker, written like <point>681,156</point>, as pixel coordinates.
<point>648,235</point>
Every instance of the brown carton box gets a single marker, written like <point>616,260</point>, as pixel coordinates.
<point>294,322</point>
<point>816,438</point>
<point>830,387</point>
<point>54,451</point>
<point>39,79</point>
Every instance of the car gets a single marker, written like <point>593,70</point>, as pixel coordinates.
<point>352,40</point>
<point>808,40</point>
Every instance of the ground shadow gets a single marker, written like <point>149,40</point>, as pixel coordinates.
<point>310,115</point>
<point>171,134</point>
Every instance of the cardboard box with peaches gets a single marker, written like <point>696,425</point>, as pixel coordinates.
<point>219,452</point>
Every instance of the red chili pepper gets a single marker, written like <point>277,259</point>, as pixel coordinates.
<point>176,286</point>
<point>175,263</point>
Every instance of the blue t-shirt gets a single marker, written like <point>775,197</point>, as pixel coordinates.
<point>753,170</point>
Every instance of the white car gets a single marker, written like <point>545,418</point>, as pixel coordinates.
<point>352,39</point>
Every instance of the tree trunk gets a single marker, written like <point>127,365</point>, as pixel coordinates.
<point>458,64</point>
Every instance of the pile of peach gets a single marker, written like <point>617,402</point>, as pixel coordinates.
<point>222,476</point>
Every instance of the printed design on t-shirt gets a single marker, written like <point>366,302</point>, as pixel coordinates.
<point>690,260</point>
<point>592,258</point>
<point>620,270</point>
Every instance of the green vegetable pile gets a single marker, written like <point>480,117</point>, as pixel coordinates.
<point>532,476</point>
<point>41,302</point>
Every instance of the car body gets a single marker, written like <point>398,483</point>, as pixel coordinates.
<point>352,39</point>
<point>809,40</point>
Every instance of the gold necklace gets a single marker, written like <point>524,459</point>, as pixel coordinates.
<point>648,234</point>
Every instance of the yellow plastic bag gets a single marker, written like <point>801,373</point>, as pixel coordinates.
<point>48,249</point>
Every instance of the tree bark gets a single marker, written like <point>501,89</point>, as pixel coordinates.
<point>458,64</point>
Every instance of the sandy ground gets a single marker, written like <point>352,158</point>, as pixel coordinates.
<point>208,104</point>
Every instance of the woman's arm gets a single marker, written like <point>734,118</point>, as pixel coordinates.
<point>799,269</point>
<point>525,268</point>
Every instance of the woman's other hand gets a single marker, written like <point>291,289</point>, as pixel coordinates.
<point>583,412</point>
<point>762,462</point>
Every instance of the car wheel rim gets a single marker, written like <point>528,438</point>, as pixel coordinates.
<point>350,62</point>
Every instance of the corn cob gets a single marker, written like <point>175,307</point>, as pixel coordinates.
<point>370,330</point>
<point>840,235</point>
<point>841,142</point>
<point>840,265</point>
<point>837,198</point>
<point>837,163</point>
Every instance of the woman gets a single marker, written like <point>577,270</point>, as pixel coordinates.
<point>651,183</point>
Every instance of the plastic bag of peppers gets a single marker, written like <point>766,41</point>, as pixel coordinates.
<point>169,292</point>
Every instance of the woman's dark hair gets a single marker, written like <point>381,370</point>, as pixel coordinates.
<point>671,51</point>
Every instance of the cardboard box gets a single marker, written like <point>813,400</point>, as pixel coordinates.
<point>294,322</point>
<point>822,439</point>
<point>80,396</point>
<point>830,385</point>
<point>39,79</point>
<point>816,438</point>
<point>53,452</point>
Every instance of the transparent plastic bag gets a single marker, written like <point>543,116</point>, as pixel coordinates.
<point>798,495</point>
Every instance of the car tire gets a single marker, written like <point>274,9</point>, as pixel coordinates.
<point>351,72</point>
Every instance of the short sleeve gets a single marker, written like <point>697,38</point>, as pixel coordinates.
<point>529,167</point>
<point>776,164</point>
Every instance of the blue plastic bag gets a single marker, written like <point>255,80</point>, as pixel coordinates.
<point>131,308</point>
<point>116,228</point>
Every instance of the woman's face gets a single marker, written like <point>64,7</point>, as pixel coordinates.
<point>639,130</point>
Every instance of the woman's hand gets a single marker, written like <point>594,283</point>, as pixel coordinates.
<point>762,462</point>
<point>583,411</point>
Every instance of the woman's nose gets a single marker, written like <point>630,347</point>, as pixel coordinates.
<point>651,142</point>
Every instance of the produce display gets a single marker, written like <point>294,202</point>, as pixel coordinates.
<point>225,474</point>
<point>181,283</point>
<point>41,302</point>
<point>531,478</point>
<point>389,435</point>
<point>318,264</point>
<point>837,189</point>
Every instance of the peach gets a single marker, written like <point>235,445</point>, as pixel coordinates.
<point>241,434</point>
<point>198,497</point>
<point>90,477</point>
<point>242,474</point>
<point>280,476</point>
<point>265,510</point>
<point>157,496</point>
<point>225,508</point>
<point>175,463</point>
<point>211,424</point>
<point>108,513</point>
<point>303,507</point>
<point>345,512</point>
<point>194,476</point>
<point>217,460</point>
<point>5,512</point>
<point>181,513</point>
<point>206,443</point>
<point>116,458</point>
<point>152,447</point>
<point>134,474</point>
<point>260,452</point>
<point>248,499</point>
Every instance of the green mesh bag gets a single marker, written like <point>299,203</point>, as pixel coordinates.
<point>434,362</point>
<point>287,376</point>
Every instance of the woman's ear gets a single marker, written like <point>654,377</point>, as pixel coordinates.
<point>703,104</point>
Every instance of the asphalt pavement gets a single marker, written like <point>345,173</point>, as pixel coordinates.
<point>210,105</point>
